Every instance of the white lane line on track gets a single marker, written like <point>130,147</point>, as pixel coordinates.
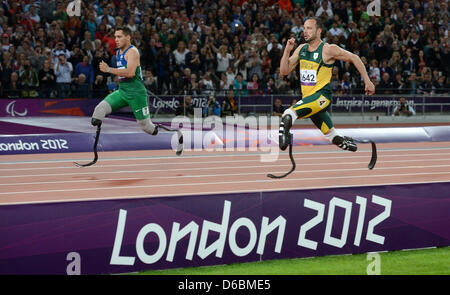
<point>187,169</point>
<point>224,182</point>
<point>229,161</point>
<point>216,155</point>
<point>212,193</point>
<point>235,161</point>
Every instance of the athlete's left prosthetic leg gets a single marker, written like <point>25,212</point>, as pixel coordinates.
<point>344,142</point>
<point>148,126</point>
<point>349,144</point>
<point>101,111</point>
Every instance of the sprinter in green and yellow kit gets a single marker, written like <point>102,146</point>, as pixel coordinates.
<point>315,59</point>
<point>132,91</point>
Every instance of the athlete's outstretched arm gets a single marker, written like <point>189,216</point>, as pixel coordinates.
<point>132,57</point>
<point>287,64</point>
<point>334,52</point>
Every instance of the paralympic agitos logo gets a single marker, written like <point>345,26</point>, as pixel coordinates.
<point>10,109</point>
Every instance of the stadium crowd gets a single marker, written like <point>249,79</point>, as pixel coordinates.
<point>191,47</point>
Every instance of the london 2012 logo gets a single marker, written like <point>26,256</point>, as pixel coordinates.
<point>10,109</point>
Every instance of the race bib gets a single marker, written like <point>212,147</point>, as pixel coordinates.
<point>308,77</point>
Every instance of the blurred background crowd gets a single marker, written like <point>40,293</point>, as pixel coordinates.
<point>193,47</point>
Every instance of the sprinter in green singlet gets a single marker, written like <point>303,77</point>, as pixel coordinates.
<point>315,59</point>
<point>132,91</point>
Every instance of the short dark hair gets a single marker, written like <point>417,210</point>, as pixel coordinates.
<point>126,30</point>
<point>319,23</point>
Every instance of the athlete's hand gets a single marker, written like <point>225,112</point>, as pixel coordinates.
<point>290,44</point>
<point>370,88</point>
<point>104,67</point>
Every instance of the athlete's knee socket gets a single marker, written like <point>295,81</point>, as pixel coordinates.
<point>147,126</point>
<point>290,112</point>
<point>101,110</point>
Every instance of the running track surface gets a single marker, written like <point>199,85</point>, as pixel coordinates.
<point>43,178</point>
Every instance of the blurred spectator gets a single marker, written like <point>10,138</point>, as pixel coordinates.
<point>186,109</point>
<point>13,88</point>
<point>412,85</point>
<point>81,87</point>
<point>346,85</point>
<point>180,55</point>
<point>240,85</point>
<point>325,9</point>
<point>29,80</point>
<point>63,71</point>
<point>85,68</point>
<point>229,105</point>
<point>408,63</point>
<point>110,41</point>
<point>421,62</point>
<point>385,68</point>
<point>230,78</point>
<point>150,81</point>
<point>385,86</point>
<point>177,83</point>
<point>223,59</point>
<point>193,59</point>
<point>398,84</point>
<point>5,42</point>
<point>426,87</point>
<point>374,70</point>
<point>166,66</point>
<point>403,109</point>
<point>285,5</point>
<point>206,84</point>
<point>254,64</point>
<point>254,86</point>
<point>59,49</point>
<point>278,108</point>
<point>47,80</point>
<point>441,86</point>
<point>207,56</point>
<point>270,87</point>
<point>99,88</point>
<point>410,35</point>
<point>212,107</point>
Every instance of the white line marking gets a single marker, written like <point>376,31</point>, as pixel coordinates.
<point>234,161</point>
<point>215,155</point>
<point>223,182</point>
<point>198,168</point>
<point>213,175</point>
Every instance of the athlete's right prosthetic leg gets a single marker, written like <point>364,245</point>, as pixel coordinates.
<point>152,129</point>
<point>284,138</point>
